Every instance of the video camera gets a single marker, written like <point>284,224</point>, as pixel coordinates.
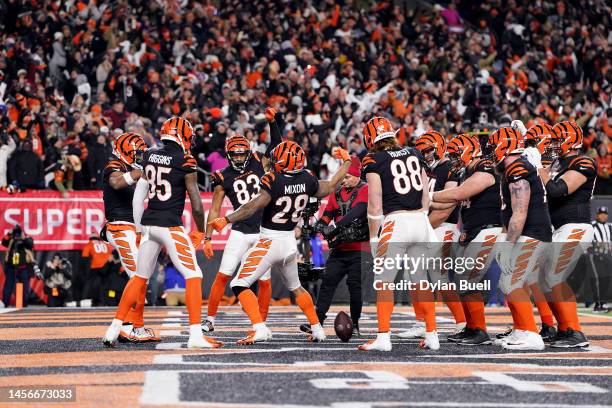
<point>307,272</point>
<point>356,231</point>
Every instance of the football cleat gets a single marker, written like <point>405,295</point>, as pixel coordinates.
<point>207,326</point>
<point>111,335</point>
<point>415,332</point>
<point>460,335</point>
<point>260,335</point>
<point>137,335</point>
<point>524,340</point>
<point>570,338</point>
<point>356,332</point>
<point>317,334</point>
<point>499,338</point>
<point>477,337</point>
<point>430,341</point>
<point>548,333</point>
<point>381,343</point>
<point>202,342</point>
<point>305,328</point>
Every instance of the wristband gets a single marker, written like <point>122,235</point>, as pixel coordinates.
<point>128,178</point>
<point>431,196</point>
<point>376,217</point>
<point>207,238</point>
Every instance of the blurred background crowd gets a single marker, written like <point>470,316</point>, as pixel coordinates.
<point>76,73</point>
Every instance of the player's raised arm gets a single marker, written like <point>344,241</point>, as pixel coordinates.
<point>275,134</point>
<point>326,187</point>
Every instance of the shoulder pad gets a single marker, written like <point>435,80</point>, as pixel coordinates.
<point>516,171</point>
<point>115,165</point>
<point>267,179</point>
<point>583,164</point>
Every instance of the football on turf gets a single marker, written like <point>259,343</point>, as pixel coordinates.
<point>343,327</point>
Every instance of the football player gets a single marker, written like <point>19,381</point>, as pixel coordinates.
<point>537,151</point>
<point>118,181</point>
<point>169,174</point>
<point>432,146</point>
<point>398,203</point>
<point>569,182</point>
<point>285,192</point>
<point>527,223</point>
<point>240,183</point>
<point>478,193</point>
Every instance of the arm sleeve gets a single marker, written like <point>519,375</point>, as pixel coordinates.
<point>330,208</point>
<point>275,137</point>
<point>359,210</point>
<point>142,187</point>
<point>556,188</point>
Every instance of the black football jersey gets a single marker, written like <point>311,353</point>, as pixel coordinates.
<point>483,208</point>
<point>438,177</point>
<point>400,175</point>
<point>537,225</point>
<point>575,207</point>
<point>165,169</point>
<point>240,188</point>
<point>290,194</point>
<point>117,203</point>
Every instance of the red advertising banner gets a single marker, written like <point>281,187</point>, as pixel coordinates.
<point>57,223</point>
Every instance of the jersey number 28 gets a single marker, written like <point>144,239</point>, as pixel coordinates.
<point>406,175</point>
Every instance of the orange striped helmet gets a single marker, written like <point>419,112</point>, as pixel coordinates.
<point>505,141</point>
<point>538,136</point>
<point>129,147</point>
<point>237,147</point>
<point>288,157</point>
<point>178,130</point>
<point>463,148</point>
<point>566,135</point>
<point>433,146</point>
<point>377,128</point>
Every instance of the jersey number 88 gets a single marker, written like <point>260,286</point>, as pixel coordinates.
<point>406,175</point>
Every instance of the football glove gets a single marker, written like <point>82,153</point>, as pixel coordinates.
<point>270,114</point>
<point>196,238</point>
<point>208,248</point>
<point>340,153</point>
<point>519,125</point>
<point>219,223</point>
<point>533,155</point>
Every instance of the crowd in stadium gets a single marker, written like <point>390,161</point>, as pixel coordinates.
<point>74,74</point>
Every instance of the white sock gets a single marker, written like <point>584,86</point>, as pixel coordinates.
<point>211,319</point>
<point>386,336</point>
<point>316,327</point>
<point>460,326</point>
<point>259,326</point>
<point>195,330</point>
<point>117,323</point>
<point>420,323</point>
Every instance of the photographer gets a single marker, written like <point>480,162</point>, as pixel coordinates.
<point>58,280</point>
<point>348,240</point>
<point>19,263</point>
<point>114,280</point>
